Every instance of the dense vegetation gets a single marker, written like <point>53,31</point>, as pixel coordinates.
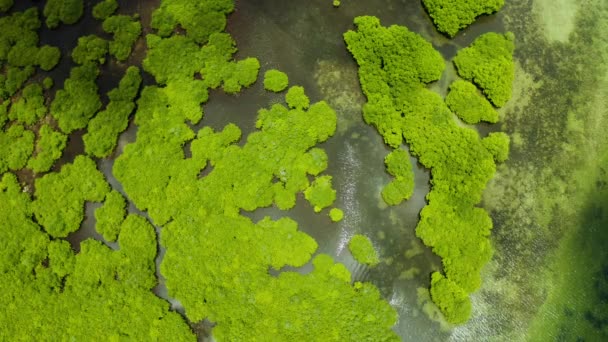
<point>104,9</point>
<point>126,30</point>
<point>50,292</point>
<point>201,214</point>
<point>275,80</point>
<point>78,101</point>
<point>393,76</point>
<point>90,48</point>
<point>49,148</point>
<point>450,16</point>
<point>103,130</point>
<point>363,251</point>
<point>488,62</point>
<point>196,184</point>
<point>63,11</point>
<point>468,104</point>
<point>402,187</point>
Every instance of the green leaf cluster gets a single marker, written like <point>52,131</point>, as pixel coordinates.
<point>173,57</point>
<point>450,16</point>
<point>363,251</point>
<point>336,215</point>
<point>199,199</point>
<point>275,80</point>
<point>320,193</point>
<point>47,83</point>
<point>488,63</point>
<point>62,11</point>
<point>48,57</point>
<point>90,48</point>
<point>30,107</point>
<point>17,144</point>
<point>20,52</point>
<point>400,106</point>
<point>104,9</point>
<point>453,302</point>
<point>393,72</point>
<point>200,19</point>
<point>60,196</point>
<point>103,130</point>
<point>296,98</point>
<point>468,104</point>
<point>498,144</point>
<point>5,5</point>
<point>14,79</point>
<point>125,29</point>
<point>110,216</point>
<point>53,293</point>
<point>49,148</point>
<point>402,187</point>
<point>3,112</point>
<point>75,104</point>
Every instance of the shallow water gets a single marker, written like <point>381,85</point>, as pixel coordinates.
<point>548,202</point>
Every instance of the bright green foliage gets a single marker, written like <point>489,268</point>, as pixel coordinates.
<point>16,146</point>
<point>30,106</point>
<point>48,57</point>
<point>275,80</point>
<point>202,214</point>
<point>104,9</point>
<point>111,215</point>
<point>460,164</point>
<point>22,54</point>
<point>98,293</point>
<point>470,106</point>
<point>76,183</point>
<point>5,5</point>
<point>402,187</point>
<point>397,190</point>
<point>453,302</point>
<point>63,11</point>
<point>126,30</point>
<point>218,66</point>
<point>18,31</point>
<point>174,57</point>
<point>498,144</point>
<point>15,78</point>
<point>450,16</point>
<point>90,48</point>
<point>241,74</point>
<point>336,214</point>
<point>363,251</point>
<point>296,98</point>
<point>392,73</point>
<point>19,42</point>
<point>47,83</point>
<point>398,164</point>
<point>199,18</point>
<point>488,63</point>
<point>78,101</point>
<point>320,194</point>
<point>336,3</point>
<point>284,156</point>
<point>103,130</point>
<point>3,112</point>
<point>49,148</point>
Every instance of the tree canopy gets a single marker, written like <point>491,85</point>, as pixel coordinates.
<point>394,67</point>
<point>450,16</point>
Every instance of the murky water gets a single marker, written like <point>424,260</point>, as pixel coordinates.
<point>541,238</point>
